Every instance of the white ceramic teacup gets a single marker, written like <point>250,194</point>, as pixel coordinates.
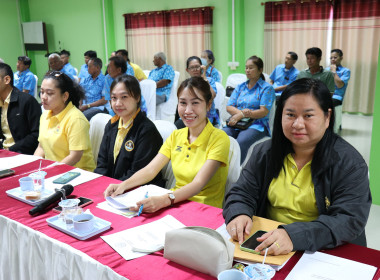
<point>83,222</point>
<point>232,274</point>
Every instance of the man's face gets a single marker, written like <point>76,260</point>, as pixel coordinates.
<point>64,58</point>
<point>156,61</point>
<point>112,70</point>
<point>21,66</point>
<point>86,59</point>
<point>335,58</point>
<point>312,61</point>
<point>289,61</point>
<point>92,69</point>
<point>55,63</point>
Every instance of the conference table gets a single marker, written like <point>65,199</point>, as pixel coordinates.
<point>31,249</point>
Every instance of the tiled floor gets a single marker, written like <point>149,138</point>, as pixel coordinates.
<point>357,130</point>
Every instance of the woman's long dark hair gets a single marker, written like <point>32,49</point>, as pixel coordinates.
<point>281,146</point>
<point>64,83</point>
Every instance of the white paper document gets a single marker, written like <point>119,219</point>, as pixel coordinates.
<point>15,161</point>
<point>85,176</point>
<point>321,266</point>
<point>129,199</point>
<point>149,237</point>
<point>124,212</point>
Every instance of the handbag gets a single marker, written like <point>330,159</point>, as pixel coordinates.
<point>243,124</point>
<point>200,248</point>
<point>229,91</point>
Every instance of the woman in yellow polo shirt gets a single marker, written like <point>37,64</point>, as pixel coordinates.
<point>306,177</point>
<point>64,130</point>
<point>198,152</point>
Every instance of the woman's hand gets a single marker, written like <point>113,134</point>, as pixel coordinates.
<point>152,204</point>
<point>235,118</point>
<point>277,241</point>
<point>114,190</point>
<point>246,112</point>
<point>239,226</point>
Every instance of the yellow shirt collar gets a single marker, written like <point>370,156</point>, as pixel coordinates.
<point>61,114</point>
<point>128,123</point>
<point>7,100</point>
<point>202,138</point>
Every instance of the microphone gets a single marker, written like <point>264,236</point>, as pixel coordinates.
<point>64,191</point>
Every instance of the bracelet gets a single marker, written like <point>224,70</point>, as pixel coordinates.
<point>242,114</point>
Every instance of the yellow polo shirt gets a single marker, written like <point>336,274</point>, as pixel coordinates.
<point>65,132</point>
<point>291,196</point>
<point>187,159</point>
<point>139,73</point>
<point>8,141</point>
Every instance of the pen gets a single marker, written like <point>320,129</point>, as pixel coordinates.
<point>142,205</point>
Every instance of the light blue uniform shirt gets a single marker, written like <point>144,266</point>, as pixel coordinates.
<point>130,70</point>
<point>63,70</point>
<point>344,74</point>
<point>93,89</point>
<point>25,80</point>
<point>282,76</point>
<point>262,94</point>
<point>70,69</point>
<point>83,73</point>
<point>107,96</point>
<point>213,73</point>
<point>212,114</point>
<point>165,72</point>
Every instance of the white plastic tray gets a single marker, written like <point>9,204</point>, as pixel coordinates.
<point>100,225</point>
<point>18,194</point>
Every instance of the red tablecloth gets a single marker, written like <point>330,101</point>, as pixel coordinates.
<point>153,266</point>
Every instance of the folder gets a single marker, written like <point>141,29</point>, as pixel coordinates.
<point>266,225</point>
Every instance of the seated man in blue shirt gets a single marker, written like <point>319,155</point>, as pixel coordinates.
<point>163,75</point>
<point>93,86</point>
<point>284,74</point>
<point>115,68</point>
<point>65,56</point>
<point>56,64</point>
<point>24,80</point>
<point>83,73</point>
<point>341,76</point>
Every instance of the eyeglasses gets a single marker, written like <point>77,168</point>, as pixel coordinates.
<point>194,68</point>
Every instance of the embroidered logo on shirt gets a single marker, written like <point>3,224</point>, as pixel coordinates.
<point>129,145</point>
<point>327,202</point>
<point>178,149</point>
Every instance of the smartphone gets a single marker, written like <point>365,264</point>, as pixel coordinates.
<point>67,177</point>
<point>83,202</point>
<point>251,243</point>
<point>6,172</point>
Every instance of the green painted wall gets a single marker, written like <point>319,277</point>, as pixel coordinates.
<point>374,162</point>
<point>10,45</point>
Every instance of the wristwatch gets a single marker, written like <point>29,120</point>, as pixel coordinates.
<point>172,198</point>
<point>88,106</point>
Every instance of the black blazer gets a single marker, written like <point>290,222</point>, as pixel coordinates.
<point>139,147</point>
<point>23,116</point>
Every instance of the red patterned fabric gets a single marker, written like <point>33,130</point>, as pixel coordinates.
<point>346,9</point>
<point>297,10</point>
<point>180,17</point>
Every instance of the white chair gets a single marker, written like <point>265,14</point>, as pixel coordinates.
<point>267,78</point>
<point>165,128</point>
<point>97,125</point>
<point>234,164</point>
<point>221,77</point>
<point>166,110</point>
<point>234,80</point>
<point>36,95</point>
<point>220,102</point>
<point>250,150</point>
<point>148,91</point>
<point>146,72</point>
<point>338,118</point>
<point>76,79</point>
<point>76,71</point>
